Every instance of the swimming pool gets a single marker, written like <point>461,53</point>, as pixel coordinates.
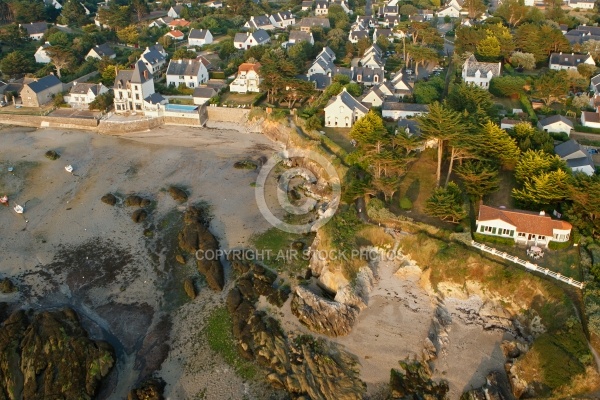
<point>181,108</point>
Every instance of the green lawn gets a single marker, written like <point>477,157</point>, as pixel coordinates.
<point>238,98</point>
<point>340,136</point>
<point>281,246</point>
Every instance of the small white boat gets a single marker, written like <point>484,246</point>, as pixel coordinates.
<point>69,168</point>
<point>19,209</point>
<point>10,169</point>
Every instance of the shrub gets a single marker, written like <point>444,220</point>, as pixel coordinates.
<point>527,106</point>
<point>586,129</point>
<point>245,164</point>
<point>479,237</point>
<point>558,245</point>
<point>405,203</point>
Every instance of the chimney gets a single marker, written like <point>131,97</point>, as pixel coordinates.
<point>542,213</point>
<point>146,74</point>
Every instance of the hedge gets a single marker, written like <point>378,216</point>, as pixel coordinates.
<point>552,245</point>
<point>527,106</point>
<point>586,129</point>
<point>405,203</point>
<point>478,237</point>
<point>216,74</point>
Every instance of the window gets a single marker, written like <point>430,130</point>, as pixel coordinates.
<point>181,77</point>
<point>137,96</point>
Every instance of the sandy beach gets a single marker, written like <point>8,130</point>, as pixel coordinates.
<point>69,248</point>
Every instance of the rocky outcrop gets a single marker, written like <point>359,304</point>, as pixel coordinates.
<point>255,280</point>
<point>321,315</point>
<point>151,389</point>
<point>495,388</point>
<point>437,342</point>
<point>178,194</point>
<point>190,289</point>
<point>49,355</point>
<point>413,381</point>
<point>139,215</point>
<point>109,199</point>
<point>52,155</point>
<point>195,236</point>
<point>303,366</point>
<point>513,350</point>
<point>7,286</point>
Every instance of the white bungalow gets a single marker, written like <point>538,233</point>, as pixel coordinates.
<point>247,79</point>
<point>41,56</point>
<point>523,227</point>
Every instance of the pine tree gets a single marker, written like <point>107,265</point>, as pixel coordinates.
<point>446,204</point>
<point>73,14</point>
<point>478,178</point>
<point>440,124</point>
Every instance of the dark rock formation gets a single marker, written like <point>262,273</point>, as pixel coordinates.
<point>413,381</point>
<point>139,215</point>
<point>321,315</point>
<point>195,236</point>
<point>245,164</point>
<point>256,280</point>
<point>7,286</point>
<point>495,388</point>
<point>151,389</point>
<point>52,155</point>
<point>145,203</point>
<point>178,194</point>
<point>109,199</point>
<point>49,355</point>
<point>304,366</point>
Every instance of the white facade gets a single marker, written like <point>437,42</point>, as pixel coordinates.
<point>500,228</point>
<point>401,114</point>
<point>557,127</point>
<point>83,100</point>
<point>206,37</point>
<point>449,12</point>
<point>247,80</point>
<point>344,111</point>
<point>131,88</point>
<point>584,5</point>
<point>41,56</point>
<point>190,73</point>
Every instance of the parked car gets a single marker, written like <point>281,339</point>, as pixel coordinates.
<point>409,71</point>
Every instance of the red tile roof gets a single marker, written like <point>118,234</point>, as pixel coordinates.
<point>179,22</point>
<point>249,67</point>
<point>524,221</point>
<point>175,33</point>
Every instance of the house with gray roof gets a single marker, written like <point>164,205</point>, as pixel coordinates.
<point>175,11</point>
<point>101,51</point>
<point>154,59</point>
<point>245,40</point>
<point>199,37</point>
<point>570,61</point>
<point>203,94</point>
<point>576,157</point>
<point>307,5</point>
<point>395,110</point>
<point>480,73</point>
<point>307,23</point>
<point>35,30</point>
<point>355,35</point>
<point>343,110</point>
<point>321,81</point>
<point>190,73</point>
<point>38,92</point>
<point>259,22</point>
<point>556,124</point>
<point>595,84</point>
<point>300,36</point>
<point>368,76</point>
<point>82,94</point>
<point>131,87</point>
<point>282,19</point>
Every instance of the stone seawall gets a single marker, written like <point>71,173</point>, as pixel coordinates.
<point>120,128</point>
<point>224,114</point>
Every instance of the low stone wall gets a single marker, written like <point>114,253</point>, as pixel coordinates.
<point>225,114</point>
<point>174,120</point>
<point>121,128</point>
<point>68,123</point>
<point>21,120</point>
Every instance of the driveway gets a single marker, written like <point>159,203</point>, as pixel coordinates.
<point>74,113</point>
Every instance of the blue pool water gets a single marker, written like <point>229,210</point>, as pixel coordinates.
<point>181,108</point>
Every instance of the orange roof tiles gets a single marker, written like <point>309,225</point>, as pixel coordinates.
<point>524,221</point>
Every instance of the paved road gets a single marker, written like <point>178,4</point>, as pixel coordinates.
<point>368,8</point>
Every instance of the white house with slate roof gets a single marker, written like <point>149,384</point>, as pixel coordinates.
<point>203,94</point>
<point>259,22</point>
<point>98,52</point>
<point>282,19</point>
<point>132,87</point>
<point>300,36</point>
<point>40,91</point>
<point>175,11</point>
<point>82,94</point>
<point>35,30</point>
<point>595,84</point>
<point>480,73</point>
<point>560,61</point>
<point>190,73</point>
<point>556,124</point>
<point>343,111</point>
<point>199,37</point>
<point>251,39</point>
<point>395,110</point>
<point>577,158</point>
<point>154,59</point>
